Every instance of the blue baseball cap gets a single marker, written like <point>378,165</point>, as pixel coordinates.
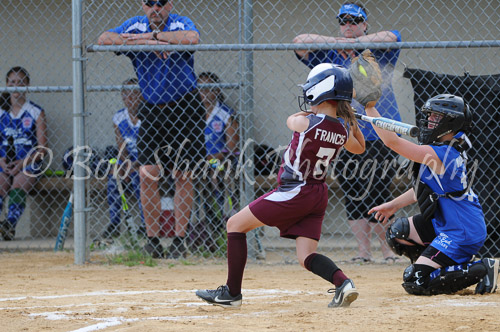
<point>352,10</point>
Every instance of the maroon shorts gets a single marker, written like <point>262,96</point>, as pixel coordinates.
<point>296,210</point>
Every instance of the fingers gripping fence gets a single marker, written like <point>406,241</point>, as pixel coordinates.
<point>226,81</point>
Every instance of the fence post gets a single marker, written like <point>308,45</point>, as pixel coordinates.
<point>78,135</point>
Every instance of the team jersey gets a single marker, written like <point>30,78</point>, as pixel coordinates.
<point>308,156</point>
<point>215,130</point>
<point>20,129</point>
<point>128,130</point>
<point>387,105</point>
<point>162,80</point>
<point>458,221</point>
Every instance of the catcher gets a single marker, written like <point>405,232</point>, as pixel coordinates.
<point>441,241</point>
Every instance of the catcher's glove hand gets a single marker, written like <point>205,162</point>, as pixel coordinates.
<point>366,78</point>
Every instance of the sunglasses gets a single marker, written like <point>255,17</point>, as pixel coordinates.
<point>160,3</point>
<point>350,20</point>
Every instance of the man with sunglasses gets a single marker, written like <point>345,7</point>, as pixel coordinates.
<point>172,116</point>
<point>372,183</point>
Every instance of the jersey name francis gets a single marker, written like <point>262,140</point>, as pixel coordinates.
<point>329,136</point>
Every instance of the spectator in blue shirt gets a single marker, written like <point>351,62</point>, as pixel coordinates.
<point>171,133</point>
<point>23,138</point>
<point>372,182</point>
<point>126,126</point>
<point>221,141</point>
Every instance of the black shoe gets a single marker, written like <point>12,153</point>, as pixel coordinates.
<point>111,231</point>
<point>489,282</point>
<point>7,231</point>
<point>141,231</point>
<point>177,249</point>
<point>154,251</point>
<point>220,297</point>
<point>344,295</point>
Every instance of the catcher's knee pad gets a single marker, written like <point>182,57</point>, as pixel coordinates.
<point>415,279</point>
<point>451,279</point>
<point>400,229</point>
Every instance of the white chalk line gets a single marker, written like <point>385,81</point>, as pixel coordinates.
<point>60,313</point>
<point>117,293</point>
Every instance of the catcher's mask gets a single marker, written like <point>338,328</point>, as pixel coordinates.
<point>455,116</point>
<point>326,81</point>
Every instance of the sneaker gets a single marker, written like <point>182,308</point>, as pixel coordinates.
<point>154,251</point>
<point>141,231</point>
<point>344,295</point>
<point>220,297</point>
<point>7,231</point>
<point>177,249</point>
<point>489,282</point>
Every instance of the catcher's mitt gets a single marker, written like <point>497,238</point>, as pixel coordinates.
<point>366,78</point>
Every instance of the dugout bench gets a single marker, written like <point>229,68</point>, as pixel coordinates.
<point>46,203</point>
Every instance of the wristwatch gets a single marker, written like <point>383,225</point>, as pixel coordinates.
<point>155,33</point>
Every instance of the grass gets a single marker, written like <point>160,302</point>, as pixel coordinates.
<point>131,257</point>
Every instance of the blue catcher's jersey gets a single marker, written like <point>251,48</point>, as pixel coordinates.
<point>22,128</point>
<point>128,130</point>
<point>215,130</point>
<point>458,221</point>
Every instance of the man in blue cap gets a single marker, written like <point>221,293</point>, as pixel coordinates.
<point>372,183</point>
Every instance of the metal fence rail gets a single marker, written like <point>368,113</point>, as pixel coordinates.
<point>250,46</point>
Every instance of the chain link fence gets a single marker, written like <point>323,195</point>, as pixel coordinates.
<point>248,52</point>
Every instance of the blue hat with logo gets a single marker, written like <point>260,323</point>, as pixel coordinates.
<point>352,10</point>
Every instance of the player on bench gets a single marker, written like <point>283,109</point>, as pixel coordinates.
<point>441,241</point>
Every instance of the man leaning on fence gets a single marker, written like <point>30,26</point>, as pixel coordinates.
<point>372,182</point>
<point>172,115</point>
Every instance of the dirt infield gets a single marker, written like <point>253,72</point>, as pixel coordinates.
<point>47,292</point>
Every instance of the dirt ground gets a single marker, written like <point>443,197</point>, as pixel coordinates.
<point>44,291</point>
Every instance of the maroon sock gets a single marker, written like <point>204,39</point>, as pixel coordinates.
<point>236,261</point>
<point>338,278</point>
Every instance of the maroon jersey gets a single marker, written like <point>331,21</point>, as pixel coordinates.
<point>308,156</point>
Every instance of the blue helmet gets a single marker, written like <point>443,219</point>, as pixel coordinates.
<point>92,162</point>
<point>326,81</point>
<point>67,159</point>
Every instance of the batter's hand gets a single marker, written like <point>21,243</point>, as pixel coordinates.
<point>383,212</point>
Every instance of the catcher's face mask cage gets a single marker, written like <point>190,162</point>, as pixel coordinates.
<point>326,82</point>
<point>443,114</point>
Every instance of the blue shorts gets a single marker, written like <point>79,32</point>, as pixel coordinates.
<point>458,251</point>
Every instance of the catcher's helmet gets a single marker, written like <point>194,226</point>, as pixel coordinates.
<point>456,116</point>
<point>326,81</point>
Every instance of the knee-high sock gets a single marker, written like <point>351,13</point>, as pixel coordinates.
<point>236,260</point>
<point>325,268</point>
<point>17,202</point>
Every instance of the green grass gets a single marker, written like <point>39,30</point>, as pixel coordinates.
<point>131,258</point>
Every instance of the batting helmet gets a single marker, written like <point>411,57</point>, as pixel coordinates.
<point>326,81</point>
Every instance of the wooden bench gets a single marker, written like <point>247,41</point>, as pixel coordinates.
<point>47,201</point>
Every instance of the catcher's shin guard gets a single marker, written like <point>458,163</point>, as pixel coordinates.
<point>447,280</point>
<point>400,229</point>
